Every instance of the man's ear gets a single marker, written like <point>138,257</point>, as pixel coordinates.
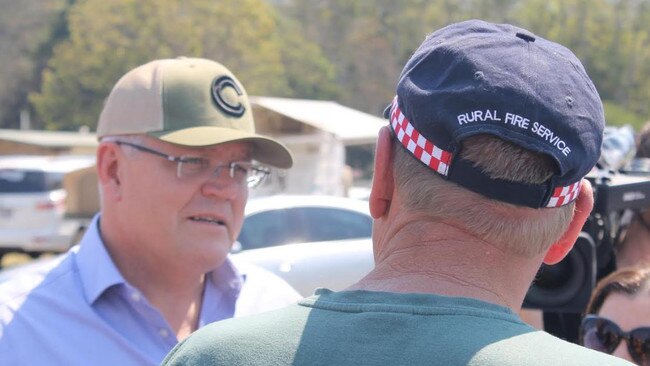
<point>381,192</point>
<point>108,172</point>
<point>584,205</point>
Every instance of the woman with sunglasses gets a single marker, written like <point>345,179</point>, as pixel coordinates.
<point>617,319</point>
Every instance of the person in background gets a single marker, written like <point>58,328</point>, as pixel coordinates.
<point>617,319</point>
<point>634,248</point>
<point>643,142</point>
<point>478,179</point>
<point>177,154</point>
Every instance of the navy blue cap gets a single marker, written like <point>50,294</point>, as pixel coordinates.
<point>476,77</point>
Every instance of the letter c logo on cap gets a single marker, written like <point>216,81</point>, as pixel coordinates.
<point>219,85</point>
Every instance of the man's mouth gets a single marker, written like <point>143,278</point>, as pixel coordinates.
<point>207,219</point>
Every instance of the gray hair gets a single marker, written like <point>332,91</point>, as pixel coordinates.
<point>521,230</point>
<point>133,139</point>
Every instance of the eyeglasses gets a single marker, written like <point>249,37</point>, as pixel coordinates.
<point>195,167</point>
<point>604,335</point>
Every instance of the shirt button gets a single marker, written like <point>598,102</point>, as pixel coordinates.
<point>163,333</point>
<point>135,296</point>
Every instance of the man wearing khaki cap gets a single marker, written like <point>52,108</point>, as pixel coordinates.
<point>177,155</point>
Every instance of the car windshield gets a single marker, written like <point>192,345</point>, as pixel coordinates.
<point>302,224</point>
<point>25,181</point>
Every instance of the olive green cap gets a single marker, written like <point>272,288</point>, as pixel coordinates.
<point>190,102</point>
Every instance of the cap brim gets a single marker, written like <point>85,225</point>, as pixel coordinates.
<point>266,150</point>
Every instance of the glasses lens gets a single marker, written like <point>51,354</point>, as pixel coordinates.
<point>255,178</point>
<point>252,173</point>
<point>639,346</point>
<point>599,334</point>
<point>192,166</point>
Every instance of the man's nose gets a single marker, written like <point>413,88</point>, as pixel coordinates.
<point>221,185</point>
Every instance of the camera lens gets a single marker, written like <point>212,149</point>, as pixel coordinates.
<point>565,283</point>
<point>558,283</point>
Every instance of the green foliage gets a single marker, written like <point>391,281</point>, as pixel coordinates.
<point>350,51</point>
<point>28,30</point>
<point>309,74</point>
<point>370,41</point>
<point>107,38</point>
<point>616,115</point>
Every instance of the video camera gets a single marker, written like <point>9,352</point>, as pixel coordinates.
<point>621,188</point>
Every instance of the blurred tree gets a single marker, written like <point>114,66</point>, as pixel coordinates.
<point>366,41</point>
<point>309,74</point>
<point>107,38</point>
<point>370,41</point>
<point>349,50</point>
<point>632,89</point>
<point>28,31</point>
<point>616,115</point>
<point>499,11</point>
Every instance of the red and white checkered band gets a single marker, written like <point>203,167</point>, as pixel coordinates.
<point>564,195</point>
<point>418,145</point>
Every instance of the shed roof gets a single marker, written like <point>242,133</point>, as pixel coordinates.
<point>349,125</point>
<point>49,138</point>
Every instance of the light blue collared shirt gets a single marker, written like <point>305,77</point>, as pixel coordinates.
<point>79,310</point>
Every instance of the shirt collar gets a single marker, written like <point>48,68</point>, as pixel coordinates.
<point>96,268</point>
<point>222,289</point>
<point>227,278</point>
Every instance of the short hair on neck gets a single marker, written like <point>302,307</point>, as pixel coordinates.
<point>520,230</point>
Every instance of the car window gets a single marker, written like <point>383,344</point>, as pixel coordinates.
<point>302,224</point>
<point>333,224</point>
<point>19,181</point>
<point>53,180</point>
<point>267,229</point>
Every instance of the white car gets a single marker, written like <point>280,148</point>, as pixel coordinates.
<point>307,266</point>
<point>309,241</point>
<point>32,202</point>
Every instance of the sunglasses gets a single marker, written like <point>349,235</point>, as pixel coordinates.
<point>604,335</point>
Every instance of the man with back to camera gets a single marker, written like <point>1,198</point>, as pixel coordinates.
<point>177,154</point>
<point>478,180</point>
